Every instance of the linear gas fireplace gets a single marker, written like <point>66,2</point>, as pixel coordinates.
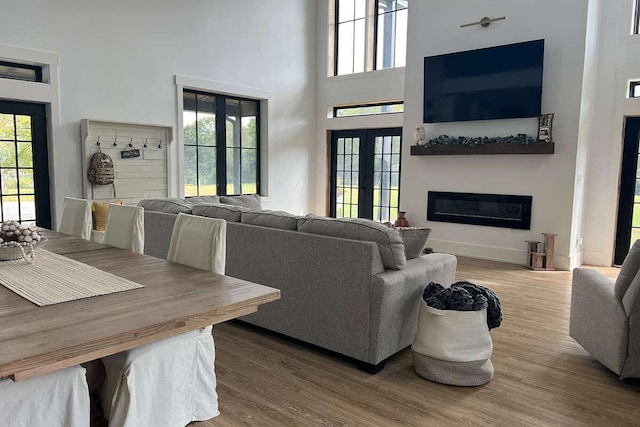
<point>495,210</point>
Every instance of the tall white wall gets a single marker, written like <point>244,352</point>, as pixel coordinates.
<point>118,59</point>
<point>434,28</point>
<point>619,61</point>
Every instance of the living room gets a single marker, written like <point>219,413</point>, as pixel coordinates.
<point>96,73</point>
<point>121,62</point>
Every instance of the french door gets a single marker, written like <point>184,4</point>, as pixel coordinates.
<point>628,228</point>
<point>365,173</point>
<point>24,164</point>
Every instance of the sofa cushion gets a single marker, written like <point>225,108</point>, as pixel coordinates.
<point>166,205</point>
<point>414,239</point>
<point>273,219</point>
<point>214,210</point>
<point>388,239</point>
<point>203,199</point>
<point>252,201</point>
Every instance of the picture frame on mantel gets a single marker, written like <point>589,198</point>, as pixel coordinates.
<point>545,124</point>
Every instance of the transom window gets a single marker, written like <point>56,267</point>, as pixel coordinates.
<point>634,89</point>
<point>368,109</point>
<point>11,70</point>
<point>221,144</point>
<point>368,35</point>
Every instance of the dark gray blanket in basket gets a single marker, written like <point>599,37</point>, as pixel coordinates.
<point>464,296</point>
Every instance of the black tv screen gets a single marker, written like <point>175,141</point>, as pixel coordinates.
<point>502,82</point>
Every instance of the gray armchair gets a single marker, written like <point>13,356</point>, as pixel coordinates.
<point>605,316</point>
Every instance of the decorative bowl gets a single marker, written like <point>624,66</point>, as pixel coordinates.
<point>18,241</point>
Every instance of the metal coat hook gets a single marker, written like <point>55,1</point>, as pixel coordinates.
<point>145,143</point>
<point>131,143</point>
<point>98,142</point>
<point>115,141</point>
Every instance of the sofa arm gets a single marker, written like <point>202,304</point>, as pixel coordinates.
<point>598,321</point>
<point>395,299</point>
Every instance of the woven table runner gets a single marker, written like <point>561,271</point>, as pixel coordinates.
<point>53,278</point>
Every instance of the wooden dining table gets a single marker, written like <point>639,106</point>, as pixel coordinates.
<point>175,299</point>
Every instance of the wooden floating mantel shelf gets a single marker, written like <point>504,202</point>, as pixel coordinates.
<point>505,148</point>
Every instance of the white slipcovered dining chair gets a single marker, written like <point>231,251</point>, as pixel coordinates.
<point>57,399</point>
<point>76,218</point>
<point>199,242</point>
<point>125,227</point>
<point>171,382</point>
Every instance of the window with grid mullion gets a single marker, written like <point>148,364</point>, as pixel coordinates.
<point>221,144</point>
<point>16,167</point>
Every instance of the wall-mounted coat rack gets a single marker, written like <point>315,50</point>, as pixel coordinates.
<point>140,159</point>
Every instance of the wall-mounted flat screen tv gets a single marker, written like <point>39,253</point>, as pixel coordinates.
<point>502,82</point>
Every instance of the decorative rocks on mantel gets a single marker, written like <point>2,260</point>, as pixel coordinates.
<point>520,138</point>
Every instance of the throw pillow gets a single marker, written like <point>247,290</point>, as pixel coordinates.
<point>166,205</point>
<point>252,201</point>
<point>414,239</point>
<point>100,210</point>
<point>388,239</point>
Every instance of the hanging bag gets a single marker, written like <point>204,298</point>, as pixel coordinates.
<point>101,171</point>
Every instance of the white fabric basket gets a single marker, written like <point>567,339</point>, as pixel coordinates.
<point>453,347</point>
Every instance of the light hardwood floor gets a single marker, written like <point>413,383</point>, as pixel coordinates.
<point>542,377</point>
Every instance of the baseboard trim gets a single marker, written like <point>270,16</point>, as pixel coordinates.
<point>492,253</point>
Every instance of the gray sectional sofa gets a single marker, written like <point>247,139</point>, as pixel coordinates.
<point>346,285</point>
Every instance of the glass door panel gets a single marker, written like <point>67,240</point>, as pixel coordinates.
<point>386,177</point>
<point>365,174</point>
<point>628,226</point>
<point>347,178</point>
<point>24,164</point>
